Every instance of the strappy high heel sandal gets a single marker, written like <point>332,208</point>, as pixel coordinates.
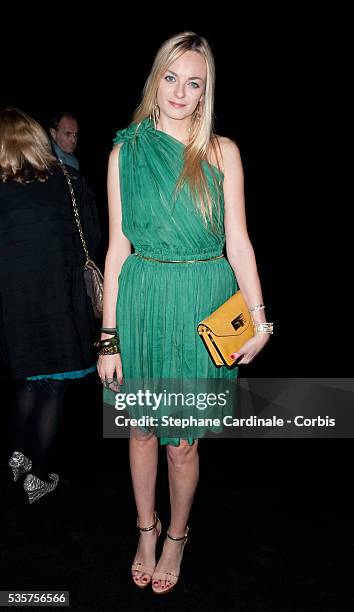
<point>137,565</point>
<point>169,577</point>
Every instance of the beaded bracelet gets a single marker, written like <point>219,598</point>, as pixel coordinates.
<point>109,350</point>
<point>257,307</point>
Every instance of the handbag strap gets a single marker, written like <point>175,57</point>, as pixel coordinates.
<point>76,212</point>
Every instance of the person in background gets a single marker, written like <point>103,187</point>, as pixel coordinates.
<point>47,324</point>
<point>64,130</point>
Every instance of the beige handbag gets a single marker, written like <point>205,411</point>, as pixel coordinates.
<point>92,274</point>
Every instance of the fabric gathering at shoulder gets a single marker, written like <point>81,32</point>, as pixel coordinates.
<point>135,131</point>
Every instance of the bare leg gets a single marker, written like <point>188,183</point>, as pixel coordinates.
<point>143,455</point>
<point>183,474</point>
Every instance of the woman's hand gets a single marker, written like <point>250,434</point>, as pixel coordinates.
<point>249,350</point>
<point>109,367</point>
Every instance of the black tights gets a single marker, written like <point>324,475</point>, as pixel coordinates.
<point>37,417</point>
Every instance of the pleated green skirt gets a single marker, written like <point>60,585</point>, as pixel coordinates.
<point>158,309</point>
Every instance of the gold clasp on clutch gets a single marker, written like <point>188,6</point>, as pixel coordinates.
<point>238,322</point>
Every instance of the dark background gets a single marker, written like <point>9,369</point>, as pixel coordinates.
<point>276,91</point>
<point>275,513</point>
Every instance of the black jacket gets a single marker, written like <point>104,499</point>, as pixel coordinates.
<point>46,319</point>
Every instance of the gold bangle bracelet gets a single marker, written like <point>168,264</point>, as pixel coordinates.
<point>109,346</point>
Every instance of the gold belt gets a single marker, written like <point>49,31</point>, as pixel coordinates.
<point>176,260</point>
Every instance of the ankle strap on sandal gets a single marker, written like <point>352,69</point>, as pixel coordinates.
<point>151,526</point>
<point>178,539</point>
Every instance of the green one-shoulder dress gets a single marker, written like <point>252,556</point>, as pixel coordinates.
<point>160,304</point>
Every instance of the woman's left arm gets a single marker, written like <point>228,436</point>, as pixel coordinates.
<point>239,249</point>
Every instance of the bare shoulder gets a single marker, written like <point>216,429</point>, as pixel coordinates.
<point>114,154</point>
<point>228,147</point>
<point>225,151</point>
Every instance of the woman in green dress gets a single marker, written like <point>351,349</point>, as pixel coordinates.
<point>175,193</point>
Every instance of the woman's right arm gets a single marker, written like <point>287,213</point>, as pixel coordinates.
<point>119,249</point>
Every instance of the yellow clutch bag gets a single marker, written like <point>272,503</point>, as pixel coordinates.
<point>227,329</point>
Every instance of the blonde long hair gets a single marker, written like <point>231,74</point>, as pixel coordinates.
<point>25,151</point>
<point>202,138</point>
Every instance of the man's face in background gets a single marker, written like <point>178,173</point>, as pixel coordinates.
<point>65,135</point>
